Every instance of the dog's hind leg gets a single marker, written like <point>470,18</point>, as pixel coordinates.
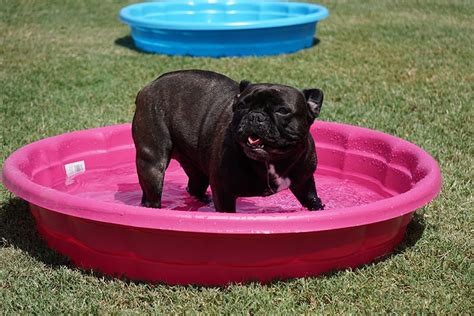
<point>198,182</point>
<point>151,173</point>
<point>152,157</point>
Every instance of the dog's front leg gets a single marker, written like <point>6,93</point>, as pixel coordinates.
<point>306,194</point>
<point>223,200</point>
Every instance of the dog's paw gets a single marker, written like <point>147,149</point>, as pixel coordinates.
<point>151,204</point>
<point>206,199</point>
<point>315,205</point>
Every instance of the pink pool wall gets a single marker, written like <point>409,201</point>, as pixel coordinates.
<point>371,182</point>
<point>184,258</point>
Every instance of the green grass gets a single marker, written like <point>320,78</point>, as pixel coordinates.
<point>402,67</point>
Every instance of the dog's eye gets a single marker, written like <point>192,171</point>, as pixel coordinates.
<point>283,111</point>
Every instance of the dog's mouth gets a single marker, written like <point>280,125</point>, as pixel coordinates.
<point>255,142</point>
<point>259,148</point>
<point>255,147</point>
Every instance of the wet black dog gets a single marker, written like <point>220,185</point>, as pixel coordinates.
<point>241,139</point>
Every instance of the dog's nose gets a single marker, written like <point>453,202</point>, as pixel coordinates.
<point>257,117</point>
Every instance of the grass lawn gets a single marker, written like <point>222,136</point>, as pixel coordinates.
<point>402,67</point>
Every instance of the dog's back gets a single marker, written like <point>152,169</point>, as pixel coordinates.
<point>183,107</point>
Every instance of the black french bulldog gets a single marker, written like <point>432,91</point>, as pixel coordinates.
<point>242,139</point>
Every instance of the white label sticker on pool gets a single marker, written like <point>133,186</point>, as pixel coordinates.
<point>75,168</point>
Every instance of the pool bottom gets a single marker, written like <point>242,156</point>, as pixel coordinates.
<point>119,185</point>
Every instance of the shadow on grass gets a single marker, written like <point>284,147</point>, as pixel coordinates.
<point>316,41</point>
<point>18,229</point>
<point>414,232</point>
<point>127,42</point>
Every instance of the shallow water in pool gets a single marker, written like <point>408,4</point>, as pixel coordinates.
<point>120,185</point>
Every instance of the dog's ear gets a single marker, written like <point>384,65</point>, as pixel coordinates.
<point>314,99</point>
<point>243,85</point>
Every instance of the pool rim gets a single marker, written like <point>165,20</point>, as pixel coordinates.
<point>133,21</point>
<point>222,223</point>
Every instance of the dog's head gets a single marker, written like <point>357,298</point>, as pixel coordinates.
<point>272,121</point>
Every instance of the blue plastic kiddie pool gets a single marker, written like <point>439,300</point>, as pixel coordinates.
<point>222,28</point>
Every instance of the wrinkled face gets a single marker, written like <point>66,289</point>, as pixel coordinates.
<point>271,122</point>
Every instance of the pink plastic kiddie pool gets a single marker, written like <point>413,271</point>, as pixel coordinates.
<point>84,194</point>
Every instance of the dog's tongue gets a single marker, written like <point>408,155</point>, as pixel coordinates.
<point>254,141</point>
